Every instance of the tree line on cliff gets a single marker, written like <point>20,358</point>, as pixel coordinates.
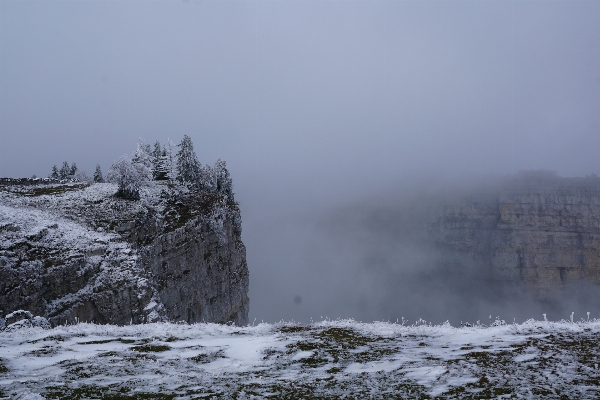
<point>156,163</point>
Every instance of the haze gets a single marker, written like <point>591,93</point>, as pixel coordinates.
<point>318,108</point>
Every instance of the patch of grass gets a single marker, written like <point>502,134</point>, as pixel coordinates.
<point>205,358</point>
<point>81,372</point>
<point>334,370</point>
<point>76,370</point>
<point>269,353</point>
<point>541,392</point>
<point>52,190</point>
<point>55,338</point>
<point>340,345</point>
<point>330,388</point>
<point>347,338</point>
<point>44,351</point>
<point>486,393</point>
<point>109,354</point>
<point>98,341</point>
<point>3,368</point>
<point>151,348</point>
<point>104,393</point>
<point>294,328</point>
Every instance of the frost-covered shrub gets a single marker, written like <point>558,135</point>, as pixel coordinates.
<point>17,316</point>
<point>128,176</point>
<point>41,322</point>
<point>81,176</point>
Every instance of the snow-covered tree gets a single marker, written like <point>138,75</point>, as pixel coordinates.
<point>128,176</point>
<point>207,178</point>
<point>156,153</point>
<point>188,166</point>
<point>159,169</point>
<point>142,155</point>
<point>73,170</point>
<point>169,160</point>
<point>98,175</point>
<point>223,179</point>
<point>54,173</point>
<point>65,171</point>
<point>81,176</point>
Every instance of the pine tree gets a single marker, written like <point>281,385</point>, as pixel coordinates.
<point>208,180</point>
<point>54,174</point>
<point>159,172</point>
<point>168,161</point>
<point>65,171</point>
<point>188,166</point>
<point>223,179</point>
<point>73,170</point>
<point>98,175</point>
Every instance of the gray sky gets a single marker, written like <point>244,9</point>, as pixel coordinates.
<point>312,104</point>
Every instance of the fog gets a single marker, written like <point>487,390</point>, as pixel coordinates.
<point>338,122</point>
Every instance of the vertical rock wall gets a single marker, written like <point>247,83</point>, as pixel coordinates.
<point>544,233</point>
<point>200,276</point>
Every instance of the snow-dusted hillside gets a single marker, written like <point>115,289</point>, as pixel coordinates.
<point>328,359</point>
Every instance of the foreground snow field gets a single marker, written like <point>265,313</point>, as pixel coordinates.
<point>328,359</point>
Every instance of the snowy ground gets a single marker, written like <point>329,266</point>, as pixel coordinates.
<point>329,359</point>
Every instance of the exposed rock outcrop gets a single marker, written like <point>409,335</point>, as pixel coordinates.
<point>73,252</point>
<point>535,228</point>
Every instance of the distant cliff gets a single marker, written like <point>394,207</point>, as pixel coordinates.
<point>75,252</point>
<point>534,228</point>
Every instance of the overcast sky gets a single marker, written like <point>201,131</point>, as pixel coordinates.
<point>312,104</point>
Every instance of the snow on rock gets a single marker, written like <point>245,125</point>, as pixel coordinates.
<point>74,252</point>
<point>328,359</point>
<point>58,267</point>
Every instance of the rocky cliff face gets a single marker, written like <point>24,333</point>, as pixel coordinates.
<point>73,252</point>
<point>537,229</point>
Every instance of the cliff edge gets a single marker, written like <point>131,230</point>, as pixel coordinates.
<point>75,252</point>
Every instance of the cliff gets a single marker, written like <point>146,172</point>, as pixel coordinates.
<point>74,252</point>
<point>537,229</point>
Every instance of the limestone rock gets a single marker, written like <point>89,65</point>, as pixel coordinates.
<point>540,230</point>
<point>74,252</point>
